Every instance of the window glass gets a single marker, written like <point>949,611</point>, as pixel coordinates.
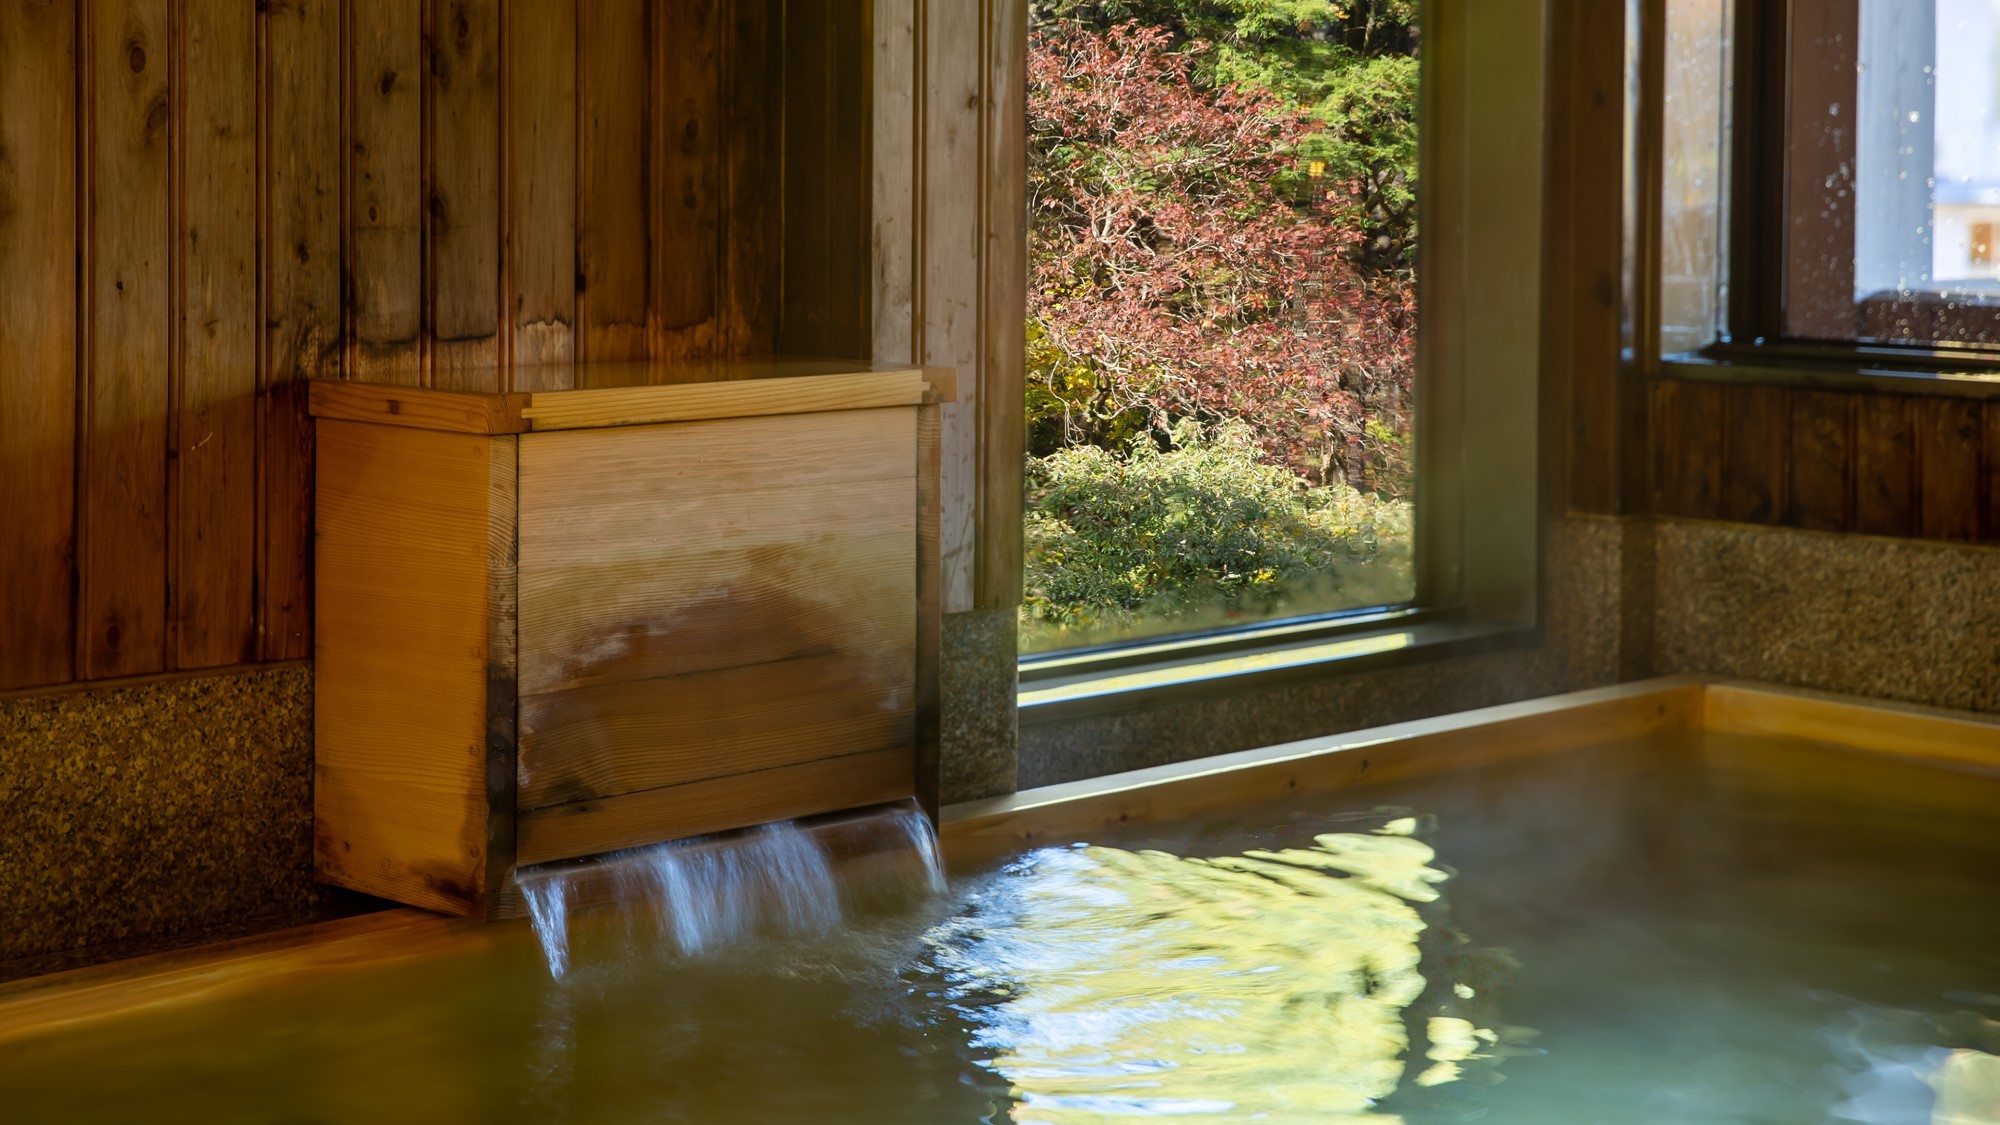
<point>1222,320</point>
<point>1894,171</point>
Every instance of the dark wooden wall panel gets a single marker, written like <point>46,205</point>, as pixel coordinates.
<point>128,257</point>
<point>213,470</point>
<point>203,207</point>
<point>464,197</point>
<point>541,193</point>
<point>1822,462</point>
<point>614,247</point>
<point>38,346</point>
<point>1688,449</point>
<point>385,190</point>
<point>1949,439</point>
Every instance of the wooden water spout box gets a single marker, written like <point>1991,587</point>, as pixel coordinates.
<point>672,601</point>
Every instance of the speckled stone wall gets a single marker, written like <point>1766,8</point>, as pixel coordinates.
<point>131,815</point>
<point>1897,619</point>
<point>1587,641</point>
<point>976,688</point>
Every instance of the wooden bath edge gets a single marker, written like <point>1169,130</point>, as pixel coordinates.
<point>983,830</point>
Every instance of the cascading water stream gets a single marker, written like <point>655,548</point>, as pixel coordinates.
<point>691,897</point>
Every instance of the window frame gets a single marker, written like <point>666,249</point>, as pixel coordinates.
<point>1752,342</point>
<point>1476,533</point>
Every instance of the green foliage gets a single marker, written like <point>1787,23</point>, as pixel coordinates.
<point>1196,535</point>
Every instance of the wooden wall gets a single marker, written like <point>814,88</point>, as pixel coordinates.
<point>203,205</point>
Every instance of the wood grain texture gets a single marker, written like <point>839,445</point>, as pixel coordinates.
<point>930,614</point>
<point>620,406</point>
<point>420,408</point>
<point>412,629</point>
<point>1688,449</point>
<point>626,736</point>
<point>687,71</point>
<point>542,177</point>
<point>827,184</point>
<point>953,216</point>
<point>666,550</point>
<point>1822,461</point>
<point>893,214</point>
<point>213,613</point>
<point>464,205</point>
<point>714,805</point>
<point>385,190</point>
<point>1755,455</point>
<point>1885,466</point>
<point>613,232</point>
<point>122,574</point>
<point>1004,288</point>
<point>39,230</point>
<point>1949,441</point>
<point>755,88</point>
<point>301,301</point>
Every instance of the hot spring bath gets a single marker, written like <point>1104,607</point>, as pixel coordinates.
<point>1663,902</point>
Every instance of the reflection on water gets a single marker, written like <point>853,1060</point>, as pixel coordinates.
<point>1275,985</point>
<point>1733,932</point>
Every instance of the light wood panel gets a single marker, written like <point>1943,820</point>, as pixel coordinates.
<point>419,408</point>
<point>413,771</point>
<point>625,736</point>
<point>620,406</point>
<point>385,189</point>
<point>1003,321</point>
<point>661,551</point>
<point>715,805</point>
<point>952,210</point>
<point>38,345</point>
<point>122,571</point>
<point>1961,738</point>
<point>213,469</point>
<point>542,179</point>
<point>467,46</point>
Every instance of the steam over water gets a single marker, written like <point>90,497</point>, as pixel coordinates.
<point>691,897</point>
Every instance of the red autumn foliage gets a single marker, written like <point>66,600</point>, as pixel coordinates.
<point>1187,264</point>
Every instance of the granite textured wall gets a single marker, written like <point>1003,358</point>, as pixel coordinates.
<point>131,816</point>
<point>976,690</point>
<point>1900,619</point>
<point>1585,642</point>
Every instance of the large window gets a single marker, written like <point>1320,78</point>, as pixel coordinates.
<point>1222,359</point>
<point>1832,180</point>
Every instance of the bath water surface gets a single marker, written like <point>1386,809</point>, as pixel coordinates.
<point>1712,929</point>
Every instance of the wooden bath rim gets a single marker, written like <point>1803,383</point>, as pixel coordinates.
<point>982,830</point>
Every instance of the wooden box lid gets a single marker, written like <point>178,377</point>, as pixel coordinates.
<point>638,393</point>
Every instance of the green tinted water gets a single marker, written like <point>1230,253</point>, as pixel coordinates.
<point>1757,932</point>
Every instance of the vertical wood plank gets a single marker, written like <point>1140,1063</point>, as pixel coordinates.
<point>122,605</point>
<point>1948,469</point>
<point>214,466</point>
<point>1990,528</point>
<point>686,148</point>
<point>827,190</point>
<point>1822,461</point>
<point>1755,455</point>
<point>1688,449</point>
<point>38,290</point>
<point>541,168</point>
<point>614,232</point>
<point>1005,287</point>
<point>930,625</point>
<point>893,215</point>
<point>385,190</point>
<point>302,319</point>
<point>753,156</point>
<point>1885,466</point>
<point>465,214</point>
<point>953,209</point>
